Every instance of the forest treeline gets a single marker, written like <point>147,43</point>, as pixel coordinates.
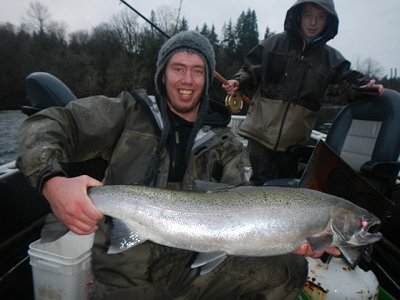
<point>114,56</point>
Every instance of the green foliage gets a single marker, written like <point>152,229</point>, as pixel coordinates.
<point>112,57</point>
<point>115,56</point>
<point>247,33</point>
<point>15,62</point>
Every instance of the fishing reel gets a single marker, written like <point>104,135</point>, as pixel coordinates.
<point>234,103</point>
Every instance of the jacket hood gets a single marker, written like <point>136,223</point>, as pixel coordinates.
<point>292,20</point>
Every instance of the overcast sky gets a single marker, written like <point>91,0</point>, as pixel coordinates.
<point>367,29</point>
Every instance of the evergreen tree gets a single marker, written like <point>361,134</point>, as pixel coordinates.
<point>183,25</point>
<point>228,42</point>
<point>247,32</point>
<point>268,32</point>
<point>204,30</point>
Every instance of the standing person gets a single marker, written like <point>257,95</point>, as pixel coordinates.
<point>290,73</point>
<point>166,141</point>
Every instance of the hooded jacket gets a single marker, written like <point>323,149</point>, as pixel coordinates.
<point>288,77</point>
<point>125,131</point>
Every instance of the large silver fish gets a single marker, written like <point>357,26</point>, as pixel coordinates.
<point>243,221</point>
<point>249,221</point>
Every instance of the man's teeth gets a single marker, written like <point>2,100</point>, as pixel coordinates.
<point>186,92</point>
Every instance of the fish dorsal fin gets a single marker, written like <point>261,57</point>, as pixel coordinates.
<point>208,261</point>
<point>320,243</point>
<point>209,186</point>
<point>123,237</point>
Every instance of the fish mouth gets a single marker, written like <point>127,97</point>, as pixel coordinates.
<point>369,234</point>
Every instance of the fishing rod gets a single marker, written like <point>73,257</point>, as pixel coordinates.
<point>234,102</point>
<point>146,19</point>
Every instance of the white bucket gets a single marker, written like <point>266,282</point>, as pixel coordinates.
<point>61,270</point>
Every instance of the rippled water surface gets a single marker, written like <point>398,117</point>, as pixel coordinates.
<point>10,121</point>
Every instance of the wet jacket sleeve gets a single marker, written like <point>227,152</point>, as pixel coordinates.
<point>249,75</point>
<point>345,81</point>
<point>84,129</point>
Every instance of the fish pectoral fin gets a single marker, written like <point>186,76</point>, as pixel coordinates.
<point>52,229</point>
<point>208,261</point>
<point>123,237</point>
<point>320,243</point>
<point>352,255</point>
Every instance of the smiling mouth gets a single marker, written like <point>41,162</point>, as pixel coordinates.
<point>185,92</point>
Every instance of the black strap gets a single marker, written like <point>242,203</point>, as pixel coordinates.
<point>46,173</point>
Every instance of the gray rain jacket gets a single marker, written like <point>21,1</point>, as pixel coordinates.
<point>124,131</point>
<point>289,77</point>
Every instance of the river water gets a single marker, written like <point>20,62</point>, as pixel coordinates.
<point>10,122</point>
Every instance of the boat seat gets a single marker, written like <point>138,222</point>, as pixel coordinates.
<point>45,90</point>
<point>366,135</point>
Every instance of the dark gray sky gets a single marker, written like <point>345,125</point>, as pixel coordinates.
<point>368,28</point>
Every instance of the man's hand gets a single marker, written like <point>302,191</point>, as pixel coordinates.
<point>231,87</point>
<point>372,85</point>
<point>70,203</point>
<point>306,250</point>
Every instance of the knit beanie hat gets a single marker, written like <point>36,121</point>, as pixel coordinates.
<point>186,40</point>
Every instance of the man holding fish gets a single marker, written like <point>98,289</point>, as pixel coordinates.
<point>166,141</point>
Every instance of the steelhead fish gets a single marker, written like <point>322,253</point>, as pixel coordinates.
<point>248,221</point>
<point>243,221</point>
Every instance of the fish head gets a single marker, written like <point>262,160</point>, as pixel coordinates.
<point>354,226</point>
